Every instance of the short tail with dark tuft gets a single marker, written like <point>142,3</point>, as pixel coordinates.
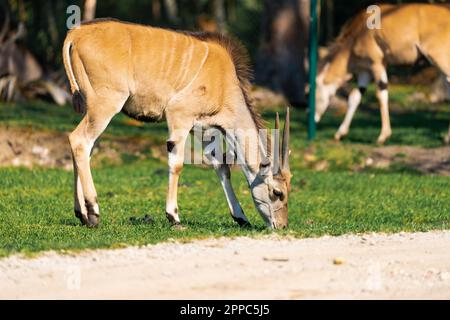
<point>78,101</point>
<point>79,105</point>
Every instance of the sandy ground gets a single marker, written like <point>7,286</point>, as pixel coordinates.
<point>371,266</point>
<point>23,147</point>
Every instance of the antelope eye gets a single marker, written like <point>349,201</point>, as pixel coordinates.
<point>264,165</point>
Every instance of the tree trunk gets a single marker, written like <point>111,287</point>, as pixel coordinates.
<point>329,16</point>
<point>282,58</point>
<point>219,15</point>
<point>89,10</point>
<point>156,10</point>
<point>232,15</point>
<point>52,29</point>
<point>171,7</point>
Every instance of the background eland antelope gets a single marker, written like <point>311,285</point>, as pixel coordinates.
<point>407,32</point>
<point>187,78</point>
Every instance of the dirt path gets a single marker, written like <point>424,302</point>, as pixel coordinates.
<point>374,266</point>
<point>28,148</point>
<point>424,160</point>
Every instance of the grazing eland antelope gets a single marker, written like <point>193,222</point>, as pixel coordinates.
<point>407,32</point>
<point>188,79</point>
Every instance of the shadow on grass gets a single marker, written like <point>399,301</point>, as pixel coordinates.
<point>222,225</point>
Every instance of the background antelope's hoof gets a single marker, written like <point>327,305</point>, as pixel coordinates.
<point>381,141</point>
<point>383,137</point>
<point>447,140</point>
<point>93,220</point>
<point>337,137</point>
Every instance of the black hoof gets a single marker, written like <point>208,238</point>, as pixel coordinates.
<point>78,214</point>
<point>242,223</point>
<point>83,219</point>
<point>93,220</point>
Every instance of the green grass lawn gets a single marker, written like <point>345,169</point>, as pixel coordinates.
<point>36,205</point>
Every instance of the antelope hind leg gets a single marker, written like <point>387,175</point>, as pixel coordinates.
<point>79,208</point>
<point>82,140</point>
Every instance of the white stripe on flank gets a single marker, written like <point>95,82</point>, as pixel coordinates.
<point>179,93</point>
<point>170,63</point>
<point>185,63</point>
<point>163,47</point>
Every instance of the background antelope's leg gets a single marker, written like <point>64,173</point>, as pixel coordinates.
<point>447,138</point>
<point>224,173</point>
<point>82,140</point>
<point>354,101</point>
<point>381,78</point>
<point>178,133</point>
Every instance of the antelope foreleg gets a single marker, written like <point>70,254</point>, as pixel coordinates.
<point>447,138</point>
<point>354,101</point>
<point>381,78</point>
<point>224,174</point>
<point>175,150</point>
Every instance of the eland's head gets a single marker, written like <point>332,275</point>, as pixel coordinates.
<point>271,187</point>
<point>331,77</point>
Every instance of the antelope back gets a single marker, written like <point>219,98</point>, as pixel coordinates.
<point>157,67</point>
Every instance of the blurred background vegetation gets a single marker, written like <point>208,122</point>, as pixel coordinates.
<point>275,32</point>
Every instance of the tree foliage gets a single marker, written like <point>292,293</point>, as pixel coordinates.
<point>45,20</point>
